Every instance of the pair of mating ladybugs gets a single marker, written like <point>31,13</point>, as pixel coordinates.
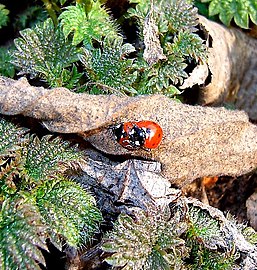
<point>134,135</point>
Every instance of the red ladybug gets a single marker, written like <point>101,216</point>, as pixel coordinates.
<point>142,134</point>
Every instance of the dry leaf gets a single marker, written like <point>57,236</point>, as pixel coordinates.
<point>198,141</point>
<point>198,76</point>
<point>135,184</point>
<point>232,64</point>
<point>251,205</point>
<point>153,51</point>
<point>118,185</point>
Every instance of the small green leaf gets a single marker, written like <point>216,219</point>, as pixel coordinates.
<point>226,18</point>
<point>44,51</point>
<point>3,16</point>
<point>20,230</point>
<point>62,2</point>
<point>109,69</point>
<point>250,234</point>
<point>10,137</point>
<point>204,227</point>
<point>189,44</point>
<point>214,8</point>
<point>68,211</point>
<point>6,67</point>
<point>46,157</point>
<point>87,26</point>
<point>253,11</point>
<point>151,242</point>
<point>242,19</point>
<point>205,259</point>
<point>239,10</point>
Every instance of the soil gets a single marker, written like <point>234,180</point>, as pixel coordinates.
<point>229,194</point>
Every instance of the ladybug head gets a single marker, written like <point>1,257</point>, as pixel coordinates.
<point>119,132</point>
<point>129,135</point>
<point>137,136</point>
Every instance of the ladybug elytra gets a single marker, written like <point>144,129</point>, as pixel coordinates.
<point>142,134</point>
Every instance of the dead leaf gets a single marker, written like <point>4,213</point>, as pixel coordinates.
<point>198,141</point>
<point>232,63</point>
<point>251,205</point>
<point>153,51</point>
<point>118,185</point>
<point>198,76</point>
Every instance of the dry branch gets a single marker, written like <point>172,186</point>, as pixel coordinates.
<point>198,141</point>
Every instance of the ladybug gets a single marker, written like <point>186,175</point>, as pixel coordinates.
<point>135,135</point>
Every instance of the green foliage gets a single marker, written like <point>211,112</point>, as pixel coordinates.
<point>67,210</point>
<point>20,230</point>
<point>176,21</point>
<point>10,137</point>
<point>52,9</point>
<point>203,227</point>
<point>6,67</point>
<point>87,26</point>
<point>47,157</point>
<point>31,16</point>
<point>187,44</point>
<point>62,2</point>
<point>3,16</point>
<point>205,259</point>
<point>190,239</point>
<point>167,31</point>
<point>108,68</point>
<point>250,234</point>
<point>239,10</point>
<point>203,238</point>
<point>159,77</point>
<point>9,168</point>
<point>179,15</point>
<point>44,51</point>
<point>174,16</point>
<point>28,18</point>
<point>37,200</point>
<point>152,242</point>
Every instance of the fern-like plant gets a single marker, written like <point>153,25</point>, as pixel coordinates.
<point>45,52</point>
<point>151,242</point>
<point>174,23</point>
<point>108,68</point>
<point>21,234</point>
<point>190,239</point>
<point>167,30</point>
<point>37,201</point>
<point>30,17</point>
<point>67,210</point>
<point>46,157</point>
<point>6,67</point>
<point>238,10</point>
<point>87,25</point>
